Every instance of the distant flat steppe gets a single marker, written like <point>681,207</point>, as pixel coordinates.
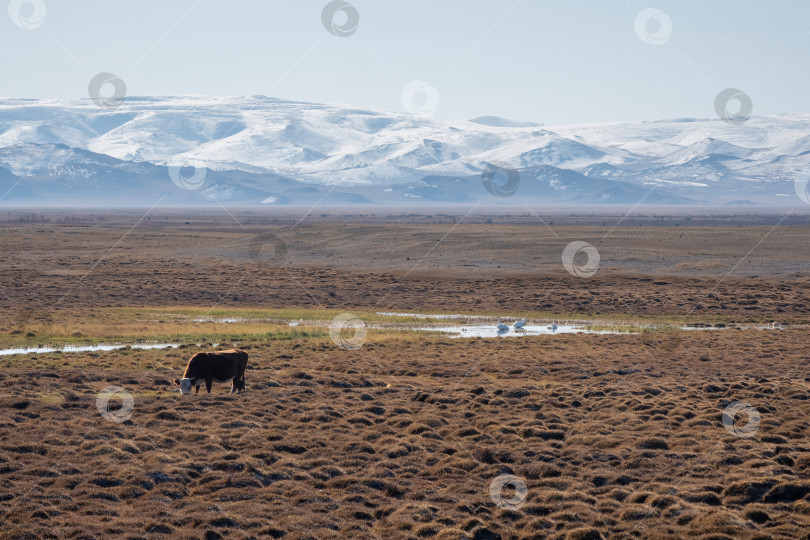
<point>735,272</point>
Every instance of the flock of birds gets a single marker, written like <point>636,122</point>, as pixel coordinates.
<point>518,325</point>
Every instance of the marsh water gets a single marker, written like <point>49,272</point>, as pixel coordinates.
<point>465,326</point>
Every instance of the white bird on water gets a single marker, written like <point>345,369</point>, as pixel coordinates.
<point>502,327</point>
<point>519,324</point>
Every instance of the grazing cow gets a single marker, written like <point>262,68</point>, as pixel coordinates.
<point>221,367</point>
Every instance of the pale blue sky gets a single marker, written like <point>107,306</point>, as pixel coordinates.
<point>548,61</point>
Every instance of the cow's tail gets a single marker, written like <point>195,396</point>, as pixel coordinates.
<point>244,368</point>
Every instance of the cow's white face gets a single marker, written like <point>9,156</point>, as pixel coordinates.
<point>185,386</point>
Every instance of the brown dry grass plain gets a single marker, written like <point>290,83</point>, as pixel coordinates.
<point>614,436</point>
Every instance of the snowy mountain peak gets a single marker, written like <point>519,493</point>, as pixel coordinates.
<point>347,145</point>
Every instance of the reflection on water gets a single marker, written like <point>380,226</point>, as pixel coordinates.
<point>472,331</point>
<point>84,348</point>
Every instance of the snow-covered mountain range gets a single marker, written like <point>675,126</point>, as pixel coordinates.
<point>260,150</point>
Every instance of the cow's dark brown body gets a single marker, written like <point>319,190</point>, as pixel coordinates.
<point>219,366</point>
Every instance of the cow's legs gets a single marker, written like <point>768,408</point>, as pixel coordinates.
<point>234,384</point>
<point>197,389</point>
<point>208,383</point>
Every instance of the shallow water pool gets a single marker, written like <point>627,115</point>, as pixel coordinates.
<point>85,348</point>
<point>490,331</point>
